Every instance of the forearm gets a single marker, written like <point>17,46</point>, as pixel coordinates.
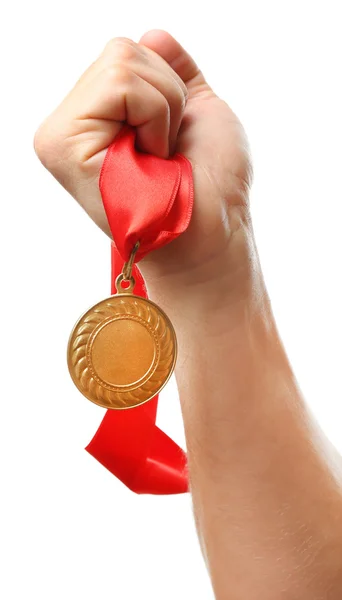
<point>266,485</point>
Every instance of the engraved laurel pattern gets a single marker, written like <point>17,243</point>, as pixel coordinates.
<point>83,375</point>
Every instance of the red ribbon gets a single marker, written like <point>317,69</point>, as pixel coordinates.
<point>146,199</point>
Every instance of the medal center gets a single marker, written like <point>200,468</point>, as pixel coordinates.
<point>122,352</point>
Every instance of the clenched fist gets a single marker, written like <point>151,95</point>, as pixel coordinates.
<point>155,86</point>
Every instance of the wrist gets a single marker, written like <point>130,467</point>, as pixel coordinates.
<point>224,287</point>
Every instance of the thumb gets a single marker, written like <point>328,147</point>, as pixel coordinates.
<point>179,60</point>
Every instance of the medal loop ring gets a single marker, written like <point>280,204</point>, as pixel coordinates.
<point>128,266</point>
<point>126,274</point>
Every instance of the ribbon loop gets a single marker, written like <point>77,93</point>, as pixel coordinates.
<point>146,198</point>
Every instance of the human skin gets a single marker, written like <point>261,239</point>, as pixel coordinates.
<point>265,482</point>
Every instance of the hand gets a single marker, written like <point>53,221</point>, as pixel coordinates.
<point>157,87</point>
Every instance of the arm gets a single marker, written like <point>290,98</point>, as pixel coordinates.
<point>266,484</point>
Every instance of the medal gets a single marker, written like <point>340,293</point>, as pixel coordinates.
<point>123,350</point>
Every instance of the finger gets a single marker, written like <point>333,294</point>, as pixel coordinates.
<point>152,68</point>
<point>179,60</point>
<point>123,50</point>
<point>174,95</point>
<point>118,94</point>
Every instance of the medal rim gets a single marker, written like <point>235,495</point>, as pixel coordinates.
<point>93,307</point>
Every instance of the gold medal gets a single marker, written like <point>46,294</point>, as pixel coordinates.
<point>123,350</point>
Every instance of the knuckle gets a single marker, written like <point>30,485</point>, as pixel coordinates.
<point>179,99</point>
<point>118,75</point>
<point>50,146</point>
<point>43,144</point>
<point>163,106</point>
<point>184,99</point>
<point>122,49</point>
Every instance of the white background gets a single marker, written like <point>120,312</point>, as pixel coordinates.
<point>68,528</point>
